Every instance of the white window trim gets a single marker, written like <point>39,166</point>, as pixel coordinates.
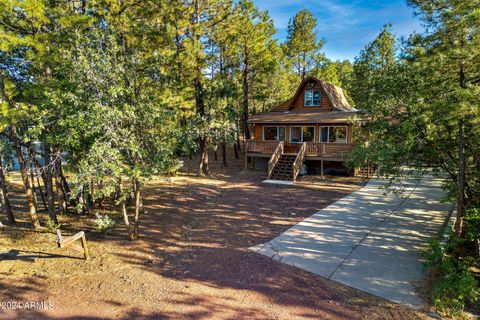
<point>278,132</point>
<point>328,134</point>
<point>319,98</point>
<point>301,134</point>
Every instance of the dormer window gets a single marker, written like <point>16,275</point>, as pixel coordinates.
<point>312,98</point>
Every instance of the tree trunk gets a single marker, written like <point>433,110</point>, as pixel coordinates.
<point>215,155</point>
<point>81,200</point>
<point>49,185</point>
<point>477,248</point>
<point>134,234</point>
<point>224,153</point>
<point>32,185</point>
<point>461,179</point>
<point>61,196</point>
<point>303,68</point>
<point>245,96</point>
<point>235,150</point>
<point>461,164</point>
<point>5,199</point>
<point>203,168</point>
<point>125,218</point>
<point>123,206</point>
<point>66,188</point>
<point>40,172</point>
<point>60,187</point>
<point>41,193</point>
<point>32,212</point>
<point>86,199</point>
<point>200,108</point>
<point>238,133</point>
<point>21,161</point>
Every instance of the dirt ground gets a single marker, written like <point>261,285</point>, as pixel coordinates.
<point>192,260</point>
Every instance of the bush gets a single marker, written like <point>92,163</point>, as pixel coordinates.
<point>52,226</point>
<point>472,219</point>
<point>455,284</point>
<point>104,223</point>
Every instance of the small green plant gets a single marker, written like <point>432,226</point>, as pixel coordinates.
<point>454,285</point>
<point>104,223</point>
<point>472,219</point>
<point>52,226</point>
<point>434,254</point>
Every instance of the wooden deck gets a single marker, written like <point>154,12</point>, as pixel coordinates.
<point>314,150</point>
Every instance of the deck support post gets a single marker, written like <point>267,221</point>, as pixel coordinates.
<point>321,168</point>
<point>368,169</point>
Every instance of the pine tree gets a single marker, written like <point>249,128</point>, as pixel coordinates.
<point>302,45</point>
<point>447,61</point>
<point>254,44</point>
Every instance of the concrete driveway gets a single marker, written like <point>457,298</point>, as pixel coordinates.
<point>369,240</point>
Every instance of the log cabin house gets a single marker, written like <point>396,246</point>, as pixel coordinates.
<point>313,128</point>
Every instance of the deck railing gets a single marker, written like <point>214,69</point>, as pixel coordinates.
<point>328,150</point>
<point>258,146</point>
<point>313,149</point>
<point>297,165</point>
<point>274,159</point>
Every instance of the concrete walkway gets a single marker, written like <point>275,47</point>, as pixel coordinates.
<point>369,240</point>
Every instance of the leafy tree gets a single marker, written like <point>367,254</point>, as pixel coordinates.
<point>21,53</point>
<point>378,86</point>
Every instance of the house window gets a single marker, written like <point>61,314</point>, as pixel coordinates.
<point>296,135</point>
<point>302,134</point>
<point>274,133</point>
<point>308,134</point>
<point>324,134</point>
<point>312,98</point>
<point>337,134</point>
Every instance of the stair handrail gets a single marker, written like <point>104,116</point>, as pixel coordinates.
<point>299,161</point>
<point>274,158</point>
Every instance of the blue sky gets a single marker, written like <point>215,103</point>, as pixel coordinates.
<point>347,26</point>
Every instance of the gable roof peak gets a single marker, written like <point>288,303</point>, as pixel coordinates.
<point>334,93</point>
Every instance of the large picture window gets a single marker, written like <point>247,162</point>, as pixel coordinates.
<point>336,134</point>
<point>308,134</point>
<point>302,134</point>
<point>296,134</point>
<point>312,98</point>
<point>274,133</point>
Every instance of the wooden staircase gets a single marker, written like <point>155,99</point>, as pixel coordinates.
<point>286,167</point>
<point>283,169</point>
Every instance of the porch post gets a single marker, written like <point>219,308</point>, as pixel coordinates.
<point>321,165</point>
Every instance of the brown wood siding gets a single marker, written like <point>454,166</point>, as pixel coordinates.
<point>285,106</point>
<point>325,103</point>
<point>258,132</point>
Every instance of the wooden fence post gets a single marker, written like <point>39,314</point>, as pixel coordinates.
<point>65,242</point>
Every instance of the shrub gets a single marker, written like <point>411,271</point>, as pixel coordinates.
<point>52,226</point>
<point>104,223</point>
<point>455,284</point>
<point>455,287</point>
<point>472,219</point>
